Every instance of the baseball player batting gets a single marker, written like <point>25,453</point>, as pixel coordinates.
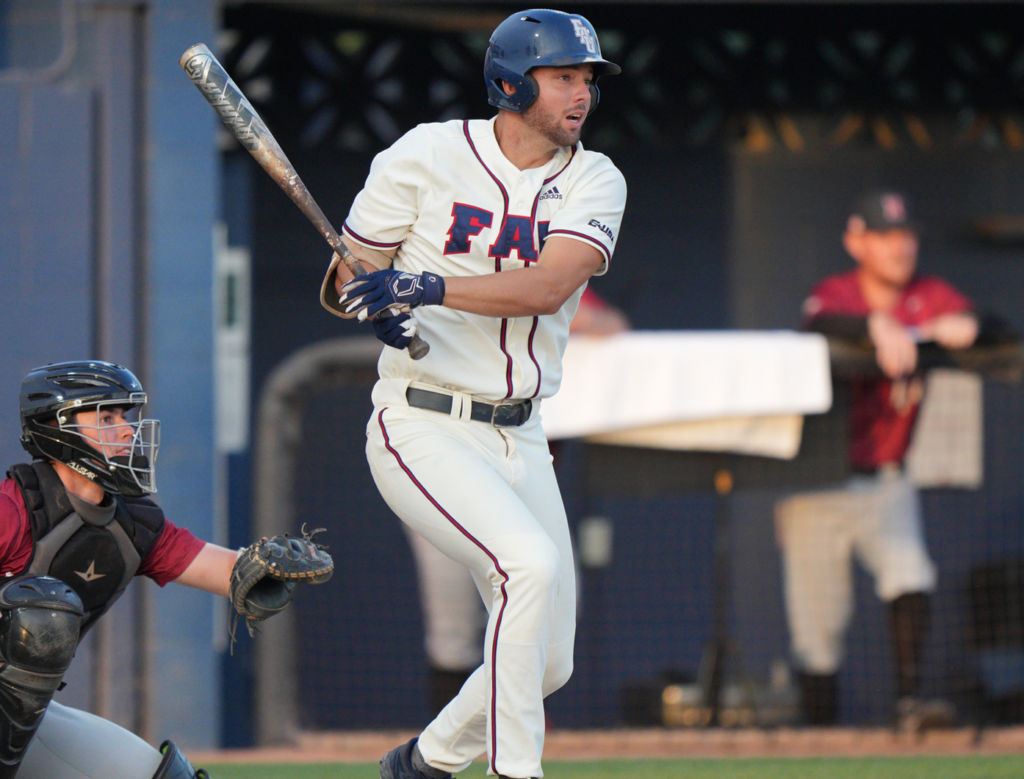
<point>495,227</point>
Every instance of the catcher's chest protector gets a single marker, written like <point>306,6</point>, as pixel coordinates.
<point>97,562</point>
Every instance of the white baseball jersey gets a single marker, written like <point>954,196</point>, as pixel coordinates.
<point>453,204</point>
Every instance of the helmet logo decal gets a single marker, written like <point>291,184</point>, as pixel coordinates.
<point>76,466</point>
<point>894,209</point>
<point>583,33</point>
<point>90,574</point>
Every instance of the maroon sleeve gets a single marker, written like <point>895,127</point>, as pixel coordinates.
<point>837,295</point>
<point>944,298</point>
<point>15,530</point>
<point>173,552</point>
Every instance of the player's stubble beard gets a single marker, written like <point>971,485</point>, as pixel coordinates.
<point>550,126</point>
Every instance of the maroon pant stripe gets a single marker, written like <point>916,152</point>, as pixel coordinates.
<point>497,566</point>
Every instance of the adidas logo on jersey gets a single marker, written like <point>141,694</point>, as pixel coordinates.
<point>552,194</point>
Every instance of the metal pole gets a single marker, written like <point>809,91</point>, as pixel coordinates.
<point>116,145</point>
<point>143,682</point>
<point>722,577</point>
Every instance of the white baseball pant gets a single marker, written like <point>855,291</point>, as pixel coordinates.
<point>74,744</point>
<point>453,620</point>
<point>488,498</point>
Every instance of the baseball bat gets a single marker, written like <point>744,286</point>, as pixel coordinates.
<point>246,125</point>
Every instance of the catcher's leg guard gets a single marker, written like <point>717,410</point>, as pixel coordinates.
<point>176,766</point>
<point>40,620</point>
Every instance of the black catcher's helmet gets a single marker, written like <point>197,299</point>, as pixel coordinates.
<point>52,396</point>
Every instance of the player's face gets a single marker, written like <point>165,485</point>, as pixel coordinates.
<point>562,103</point>
<point>106,430</point>
<point>890,255</point>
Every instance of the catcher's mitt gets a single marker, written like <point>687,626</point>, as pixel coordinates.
<point>264,577</point>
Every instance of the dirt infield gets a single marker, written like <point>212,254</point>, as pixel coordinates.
<point>365,747</point>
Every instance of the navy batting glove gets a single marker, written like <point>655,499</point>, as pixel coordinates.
<point>395,330</point>
<point>371,293</point>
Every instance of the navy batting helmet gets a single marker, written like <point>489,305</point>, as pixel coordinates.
<point>51,398</point>
<point>534,39</point>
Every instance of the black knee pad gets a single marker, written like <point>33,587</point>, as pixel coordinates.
<point>40,621</point>
<point>175,765</point>
<point>39,627</point>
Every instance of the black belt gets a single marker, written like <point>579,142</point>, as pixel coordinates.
<point>499,415</point>
<point>860,470</point>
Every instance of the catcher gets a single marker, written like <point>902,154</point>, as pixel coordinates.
<point>75,526</point>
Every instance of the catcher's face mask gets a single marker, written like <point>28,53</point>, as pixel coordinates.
<point>127,446</point>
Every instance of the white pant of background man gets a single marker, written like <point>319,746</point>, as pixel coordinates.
<point>877,520</point>
<point>454,619</point>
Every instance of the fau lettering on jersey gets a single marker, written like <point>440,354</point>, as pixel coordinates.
<point>467,221</point>
<point>445,199</point>
<point>517,234</point>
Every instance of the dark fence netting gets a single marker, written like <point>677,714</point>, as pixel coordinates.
<point>682,617</point>
<point>742,141</point>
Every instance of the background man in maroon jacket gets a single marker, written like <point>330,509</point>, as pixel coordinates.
<point>876,517</point>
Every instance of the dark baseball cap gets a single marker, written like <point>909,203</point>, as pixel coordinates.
<point>883,210</point>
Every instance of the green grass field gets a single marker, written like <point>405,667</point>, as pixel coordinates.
<point>987,767</point>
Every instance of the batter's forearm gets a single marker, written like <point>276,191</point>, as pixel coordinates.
<point>564,266</point>
<point>369,257</point>
<point>515,293</point>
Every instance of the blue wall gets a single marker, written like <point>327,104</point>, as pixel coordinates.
<point>46,192</point>
<point>183,197</point>
<point>51,174</point>
<point>3,33</point>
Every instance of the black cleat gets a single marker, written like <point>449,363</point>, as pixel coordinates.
<point>397,764</point>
